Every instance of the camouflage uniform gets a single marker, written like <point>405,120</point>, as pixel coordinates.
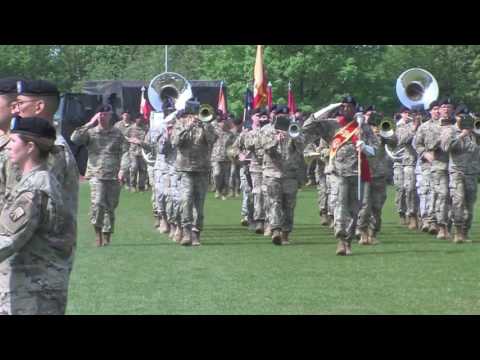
<point>283,173</point>
<point>398,182</point>
<point>474,169</point>
<point>405,135</point>
<point>35,254</point>
<point>221,163</point>
<point>439,172</point>
<point>345,168</point>
<point>150,142</point>
<point>105,148</point>
<point>246,211</point>
<point>463,186</point>
<point>9,174</point>
<point>321,177</point>
<point>194,144</point>
<point>253,145</point>
<point>124,126</point>
<point>235,167</point>
<point>138,167</point>
<point>375,194</point>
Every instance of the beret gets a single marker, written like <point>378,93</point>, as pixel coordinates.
<point>36,87</point>
<point>349,100</point>
<point>8,85</point>
<point>33,126</point>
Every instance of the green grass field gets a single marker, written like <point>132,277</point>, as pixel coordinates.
<point>238,272</point>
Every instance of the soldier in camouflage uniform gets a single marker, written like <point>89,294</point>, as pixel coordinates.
<point>461,145</point>
<point>283,174</point>
<point>105,145</point>
<point>124,125</point>
<point>40,98</point>
<point>150,144</point>
<point>35,254</point>
<point>345,165</point>
<point>321,179</point>
<point>375,195</point>
<point>400,200</point>
<point>9,174</point>
<point>138,168</point>
<point>405,135</point>
<point>253,146</point>
<point>439,168</point>
<point>425,158</point>
<point>236,164</point>
<point>220,161</point>
<point>194,142</point>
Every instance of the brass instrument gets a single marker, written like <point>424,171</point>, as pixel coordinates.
<point>206,113</point>
<point>417,89</point>
<point>387,129</point>
<point>311,156</point>
<point>294,130</point>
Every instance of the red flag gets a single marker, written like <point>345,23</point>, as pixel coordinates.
<point>260,81</point>
<point>222,104</point>
<point>269,96</point>
<point>292,106</point>
<point>145,107</point>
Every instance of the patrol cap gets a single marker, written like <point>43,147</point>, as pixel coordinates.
<point>403,109</point>
<point>433,104</point>
<point>37,88</point>
<point>462,109</point>
<point>105,108</point>
<point>349,100</point>
<point>9,85</point>
<point>263,112</point>
<point>371,108</point>
<point>38,129</point>
<point>446,101</point>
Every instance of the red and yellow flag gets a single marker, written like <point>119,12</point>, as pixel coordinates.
<point>260,81</point>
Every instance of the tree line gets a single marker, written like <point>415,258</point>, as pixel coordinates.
<point>320,74</point>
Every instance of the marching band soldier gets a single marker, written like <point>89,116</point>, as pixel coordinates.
<point>234,184</point>
<point>405,135</point>
<point>439,169</point>
<point>375,195</point>
<point>283,174</point>
<point>124,125</point>
<point>194,142</point>
<point>398,181</point>
<point>150,143</point>
<point>321,180</point>
<point>343,135</point>
<point>424,132</point>
<point>253,145</point>
<point>138,168</point>
<point>220,161</point>
<point>461,145</point>
<point>105,145</point>
<point>474,169</point>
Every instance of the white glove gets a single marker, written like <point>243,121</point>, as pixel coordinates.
<point>325,111</point>
<point>366,149</point>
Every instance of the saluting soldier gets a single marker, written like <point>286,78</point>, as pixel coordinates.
<point>105,145</point>
<point>138,168</point>
<point>124,125</point>
<point>343,134</point>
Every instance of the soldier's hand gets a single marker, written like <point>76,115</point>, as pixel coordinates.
<point>280,136</point>
<point>428,156</point>
<point>93,121</point>
<point>465,132</point>
<point>360,145</point>
<point>120,177</point>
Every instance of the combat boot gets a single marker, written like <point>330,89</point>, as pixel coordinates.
<point>372,240</point>
<point>178,234</point>
<point>324,221</point>
<point>163,228</point>
<point>458,238</point>
<point>267,231</point>
<point>332,222</point>
<point>348,248</point>
<point>341,247</point>
<point>173,229</point>
<point>403,220</point>
<point>237,193</point>
<point>412,223</point>
<point>187,236</point>
<point>277,237</point>
<point>433,229</point>
<point>217,194</point>
<point>364,238</point>
<point>425,226</point>
<point>442,232</point>
<point>231,194</point>
<point>285,240</point>
<point>196,237</point>
<point>259,229</point>
<point>224,197</point>
<point>98,236</point>
<point>106,238</point>
<point>244,221</point>
<point>157,222</point>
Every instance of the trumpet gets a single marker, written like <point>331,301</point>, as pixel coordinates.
<point>387,129</point>
<point>311,156</point>
<point>206,113</point>
<point>294,130</point>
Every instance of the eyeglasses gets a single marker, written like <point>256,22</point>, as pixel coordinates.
<point>16,104</point>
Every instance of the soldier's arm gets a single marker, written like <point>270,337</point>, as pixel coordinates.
<point>405,135</point>
<point>81,136</point>
<point>451,141</point>
<point>419,142</point>
<point>319,128</point>
<point>210,135</point>
<point>19,221</point>
<point>181,135</point>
